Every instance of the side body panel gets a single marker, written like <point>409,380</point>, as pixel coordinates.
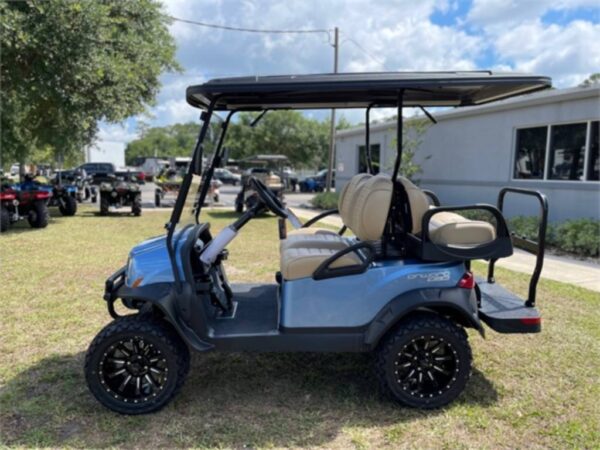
<point>354,301</point>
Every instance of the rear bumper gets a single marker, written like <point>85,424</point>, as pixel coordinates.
<point>505,312</point>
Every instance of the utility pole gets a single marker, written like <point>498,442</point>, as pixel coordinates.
<point>329,179</point>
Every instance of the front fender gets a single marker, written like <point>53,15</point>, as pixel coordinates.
<point>461,304</point>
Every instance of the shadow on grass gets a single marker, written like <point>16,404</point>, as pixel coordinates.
<point>22,226</point>
<point>229,400</point>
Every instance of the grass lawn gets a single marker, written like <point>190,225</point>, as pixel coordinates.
<point>526,391</point>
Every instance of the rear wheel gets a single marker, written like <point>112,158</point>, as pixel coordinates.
<point>157,199</point>
<point>425,362</point>
<point>104,205</point>
<point>4,219</point>
<point>68,206</point>
<point>136,207</point>
<point>136,365</point>
<point>38,215</point>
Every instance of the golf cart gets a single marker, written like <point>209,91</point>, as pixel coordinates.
<point>267,169</point>
<point>120,189</point>
<point>401,287</point>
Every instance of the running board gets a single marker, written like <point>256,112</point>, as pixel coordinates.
<point>505,312</point>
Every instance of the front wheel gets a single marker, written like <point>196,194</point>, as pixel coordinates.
<point>4,219</point>
<point>425,362</point>
<point>157,199</point>
<point>104,205</point>
<point>136,365</point>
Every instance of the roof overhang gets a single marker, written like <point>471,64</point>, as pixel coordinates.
<point>360,90</point>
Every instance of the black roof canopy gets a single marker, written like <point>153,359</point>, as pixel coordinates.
<point>359,90</point>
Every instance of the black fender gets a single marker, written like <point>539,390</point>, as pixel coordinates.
<point>175,307</point>
<point>460,304</point>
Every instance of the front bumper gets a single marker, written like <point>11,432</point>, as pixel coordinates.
<point>113,284</point>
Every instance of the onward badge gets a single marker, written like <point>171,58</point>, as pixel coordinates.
<point>431,277</point>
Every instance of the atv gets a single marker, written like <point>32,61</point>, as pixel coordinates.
<point>78,178</point>
<point>400,286</point>
<point>118,190</point>
<point>25,200</point>
<point>63,196</point>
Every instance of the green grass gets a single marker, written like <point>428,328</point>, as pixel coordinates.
<point>526,391</point>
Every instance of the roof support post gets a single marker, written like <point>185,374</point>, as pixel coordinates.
<point>368,138</point>
<point>329,177</point>
<point>398,135</point>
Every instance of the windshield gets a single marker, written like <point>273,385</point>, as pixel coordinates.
<point>190,200</point>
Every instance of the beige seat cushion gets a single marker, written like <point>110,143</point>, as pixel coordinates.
<point>319,240</point>
<point>418,201</point>
<point>345,206</point>
<point>302,262</point>
<point>371,207</point>
<point>452,229</point>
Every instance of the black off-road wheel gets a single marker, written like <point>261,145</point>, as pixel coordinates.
<point>425,362</point>
<point>136,207</point>
<point>4,219</point>
<point>136,365</point>
<point>38,216</point>
<point>157,199</point>
<point>104,205</point>
<point>68,207</point>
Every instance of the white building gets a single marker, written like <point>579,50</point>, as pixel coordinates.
<point>546,141</point>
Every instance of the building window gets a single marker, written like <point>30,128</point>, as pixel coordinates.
<point>531,153</point>
<point>593,170</point>
<point>375,158</point>
<point>567,151</point>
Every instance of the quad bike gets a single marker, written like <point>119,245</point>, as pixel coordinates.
<point>63,196</point>
<point>400,286</point>
<point>120,190</point>
<point>80,180</point>
<point>25,200</point>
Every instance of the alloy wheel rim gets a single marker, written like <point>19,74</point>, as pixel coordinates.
<point>426,367</point>
<point>133,370</point>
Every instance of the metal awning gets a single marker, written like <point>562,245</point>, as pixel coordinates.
<point>359,90</point>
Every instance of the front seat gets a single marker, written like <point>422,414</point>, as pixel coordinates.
<point>315,237</point>
<point>366,217</point>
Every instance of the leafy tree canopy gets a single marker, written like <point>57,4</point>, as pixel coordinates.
<point>68,64</point>
<point>591,80</point>
<point>302,139</point>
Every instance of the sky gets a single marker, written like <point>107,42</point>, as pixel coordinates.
<point>557,38</point>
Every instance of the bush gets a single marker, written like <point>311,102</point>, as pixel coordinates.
<point>580,236</point>
<point>325,200</point>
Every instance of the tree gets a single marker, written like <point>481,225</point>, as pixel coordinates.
<point>591,80</point>
<point>413,130</point>
<point>163,142</point>
<point>303,140</point>
<point>68,64</point>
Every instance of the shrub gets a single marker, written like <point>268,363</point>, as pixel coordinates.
<point>325,200</point>
<point>580,236</point>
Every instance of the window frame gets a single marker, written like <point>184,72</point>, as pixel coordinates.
<point>545,179</point>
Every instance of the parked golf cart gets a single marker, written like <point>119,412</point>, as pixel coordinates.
<point>119,190</point>
<point>401,287</point>
<point>267,169</point>
<point>25,200</point>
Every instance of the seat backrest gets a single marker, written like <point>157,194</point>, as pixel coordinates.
<point>417,201</point>
<point>348,195</point>
<point>370,207</point>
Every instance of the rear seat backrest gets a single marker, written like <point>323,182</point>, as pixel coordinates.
<point>370,207</point>
<point>418,202</point>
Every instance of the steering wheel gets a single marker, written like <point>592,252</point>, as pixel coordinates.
<point>270,200</point>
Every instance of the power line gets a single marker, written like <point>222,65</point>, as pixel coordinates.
<point>362,49</point>
<point>247,30</point>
